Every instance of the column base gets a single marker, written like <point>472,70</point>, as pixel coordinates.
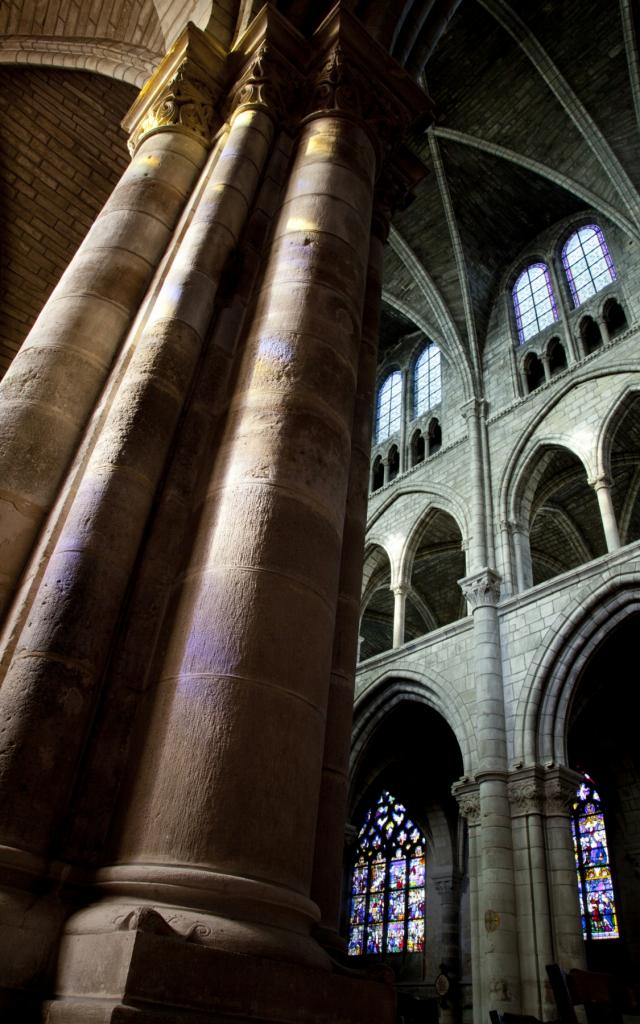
<point>137,977</point>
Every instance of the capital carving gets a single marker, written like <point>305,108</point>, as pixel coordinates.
<point>481,589</point>
<point>267,83</point>
<point>526,792</point>
<point>350,77</point>
<point>560,790</point>
<point>467,794</point>
<point>181,94</point>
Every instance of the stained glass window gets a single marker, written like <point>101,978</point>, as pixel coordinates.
<point>386,913</point>
<point>389,408</point>
<point>427,381</point>
<point>587,263</point>
<point>533,301</point>
<point>595,888</point>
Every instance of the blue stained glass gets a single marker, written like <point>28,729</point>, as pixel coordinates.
<point>385,916</point>
<point>427,380</point>
<point>595,886</point>
<point>395,937</point>
<point>388,413</point>
<point>533,301</point>
<point>587,263</point>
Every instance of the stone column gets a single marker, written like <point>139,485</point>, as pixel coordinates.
<point>526,794</point>
<point>478,540</point>
<point>506,554</point>
<point>500,978</point>
<point>560,792</point>
<point>602,487</point>
<point>544,356</point>
<point>385,463</point>
<point>400,592</point>
<point>218,829</point>
<point>448,889</point>
<point>54,382</point>
<point>50,689</point>
<point>604,330</point>
<point>522,552</point>
<point>467,794</point>
<point>326,886</point>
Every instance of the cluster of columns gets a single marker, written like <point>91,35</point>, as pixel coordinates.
<point>180,651</point>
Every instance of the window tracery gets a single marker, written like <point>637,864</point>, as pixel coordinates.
<point>387,908</point>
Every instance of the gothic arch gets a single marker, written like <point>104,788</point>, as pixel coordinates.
<point>389,689</point>
<point>531,466</point>
<point>540,726</point>
<point>609,426</point>
<point>438,501</point>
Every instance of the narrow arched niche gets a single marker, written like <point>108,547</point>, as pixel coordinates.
<point>557,356</point>
<point>614,317</point>
<point>623,446</point>
<point>435,598</point>
<point>533,371</point>
<point>590,335</point>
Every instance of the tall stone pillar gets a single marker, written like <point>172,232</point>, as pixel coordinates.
<point>467,795</point>
<point>207,905</point>
<point>471,411</point>
<point>499,981</point>
<point>560,792</point>
<point>526,794</point>
<point>602,487</point>
<point>326,888</point>
<point>400,592</point>
<point>54,382</point>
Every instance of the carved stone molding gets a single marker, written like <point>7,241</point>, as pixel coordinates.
<point>481,589</point>
<point>181,94</point>
<point>526,792</point>
<point>467,794</point>
<point>560,789</point>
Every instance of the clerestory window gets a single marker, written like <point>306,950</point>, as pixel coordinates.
<point>595,887</point>
<point>389,406</point>
<point>533,301</point>
<point>427,380</point>
<point>587,263</point>
<point>387,908</point>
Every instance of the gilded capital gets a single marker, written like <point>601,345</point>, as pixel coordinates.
<point>181,94</point>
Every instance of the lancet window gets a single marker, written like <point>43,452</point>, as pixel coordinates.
<point>595,887</point>
<point>427,380</point>
<point>587,263</point>
<point>387,904</point>
<point>389,406</point>
<point>533,301</point>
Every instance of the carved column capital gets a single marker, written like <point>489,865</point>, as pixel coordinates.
<point>481,589</point>
<point>560,789</point>
<point>467,793</point>
<point>181,94</point>
<point>350,76</point>
<point>474,408</point>
<point>526,792</point>
<point>447,885</point>
<point>266,64</point>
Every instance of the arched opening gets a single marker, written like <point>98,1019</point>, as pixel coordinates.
<point>602,740</point>
<point>377,473</point>
<point>565,527</point>
<point>533,371</point>
<point>411,753</point>
<point>393,459</point>
<point>614,317</point>
<point>590,335</point>
<point>624,460</point>
<point>557,357</point>
<point>434,434</point>
<point>435,599</point>
<point>417,448</point>
<point>376,626</point>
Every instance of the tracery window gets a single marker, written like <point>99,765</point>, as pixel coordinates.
<point>595,888</point>
<point>389,407</point>
<point>388,883</point>
<point>587,263</point>
<point>533,301</point>
<point>427,380</point>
